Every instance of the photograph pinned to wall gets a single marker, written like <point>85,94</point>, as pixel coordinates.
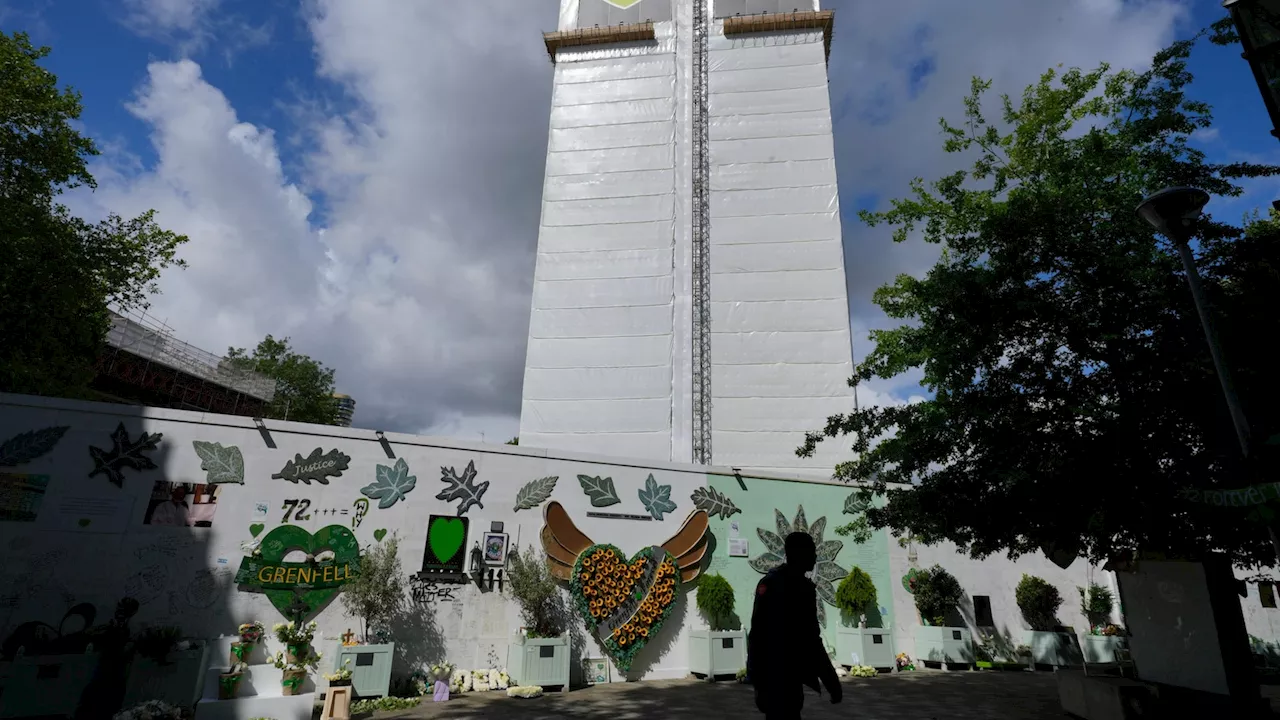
<point>445,552</point>
<point>181,504</point>
<point>495,549</point>
<point>21,495</point>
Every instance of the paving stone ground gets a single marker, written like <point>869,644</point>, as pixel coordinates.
<point>921,695</point>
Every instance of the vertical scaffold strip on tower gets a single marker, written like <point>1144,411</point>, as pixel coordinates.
<point>701,239</point>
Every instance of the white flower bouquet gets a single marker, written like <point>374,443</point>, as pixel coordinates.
<point>479,680</point>
<point>524,691</point>
<point>460,682</point>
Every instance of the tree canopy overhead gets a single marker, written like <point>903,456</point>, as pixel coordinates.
<point>1074,398</point>
<point>59,274</point>
<point>304,387</point>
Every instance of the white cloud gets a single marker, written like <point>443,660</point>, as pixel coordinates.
<point>189,26</point>
<point>417,287</point>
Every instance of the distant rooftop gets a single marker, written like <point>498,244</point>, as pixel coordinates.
<point>148,338</point>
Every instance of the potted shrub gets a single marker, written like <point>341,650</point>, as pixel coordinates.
<point>296,638</point>
<point>937,593</point>
<point>294,671</point>
<point>721,649</point>
<point>538,655</point>
<point>229,681</point>
<point>1050,644</point>
<point>165,667</point>
<point>374,598</point>
<point>340,677</point>
<point>857,644</point>
<point>1104,638</point>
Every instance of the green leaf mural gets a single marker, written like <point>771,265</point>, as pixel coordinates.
<point>462,487</point>
<point>124,453</point>
<point>656,498</point>
<point>825,573</point>
<point>221,464</point>
<point>713,502</point>
<point>392,483</point>
<point>535,492</point>
<point>28,446</point>
<point>600,490</point>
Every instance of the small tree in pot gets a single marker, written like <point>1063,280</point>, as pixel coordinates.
<point>541,604</point>
<point>856,595</point>
<point>937,593</point>
<point>1096,604</point>
<point>1039,602</point>
<point>715,601</point>
<point>377,594</point>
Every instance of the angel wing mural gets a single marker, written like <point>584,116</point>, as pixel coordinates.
<point>624,601</point>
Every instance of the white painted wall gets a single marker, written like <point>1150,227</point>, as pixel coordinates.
<point>53,563</point>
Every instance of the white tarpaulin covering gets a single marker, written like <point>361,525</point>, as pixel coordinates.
<point>780,348</point>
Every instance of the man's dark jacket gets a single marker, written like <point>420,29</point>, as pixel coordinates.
<point>785,648</point>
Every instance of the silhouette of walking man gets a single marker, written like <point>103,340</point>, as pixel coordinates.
<point>785,651</point>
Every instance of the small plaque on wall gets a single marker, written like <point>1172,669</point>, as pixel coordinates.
<point>738,547</point>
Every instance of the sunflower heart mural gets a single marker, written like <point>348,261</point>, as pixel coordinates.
<point>624,601</point>
<point>825,573</point>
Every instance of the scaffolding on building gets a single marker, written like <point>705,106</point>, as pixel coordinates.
<point>144,363</point>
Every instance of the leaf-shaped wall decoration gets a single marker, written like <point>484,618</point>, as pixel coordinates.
<point>656,498</point>
<point>600,490</point>
<point>825,572</point>
<point>318,466</point>
<point>28,446</point>
<point>221,464</point>
<point>124,454</point>
<point>462,487</point>
<point>854,504</point>
<point>391,484</point>
<point>714,502</point>
<point>535,492</point>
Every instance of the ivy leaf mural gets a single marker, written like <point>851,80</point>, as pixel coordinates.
<point>392,483</point>
<point>656,498</point>
<point>600,490</point>
<point>318,466</point>
<point>124,454</point>
<point>462,488</point>
<point>221,464</point>
<point>825,572</point>
<point>535,492</point>
<point>28,446</point>
<point>714,502</point>
<point>854,504</point>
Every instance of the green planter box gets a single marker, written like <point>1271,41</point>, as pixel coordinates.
<point>1102,648</point>
<point>872,646</point>
<point>713,653</point>
<point>1058,649</point>
<point>177,682</point>
<point>539,661</point>
<point>370,668</point>
<point>44,684</point>
<point>947,645</point>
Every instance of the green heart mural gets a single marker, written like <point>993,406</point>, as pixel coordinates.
<point>624,601</point>
<point>317,582</point>
<point>256,529</point>
<point>444,552</point>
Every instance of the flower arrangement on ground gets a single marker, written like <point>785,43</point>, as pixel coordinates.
<point>1107,630</point>
<point>152,710</point>
<point>360,707</point>
<point>296,638</point>
<point>524,691</point>
<point>863,671</point>
<point>342,676</point>
<point>442,672</point>
<point>460,681</point>
<point>904,662</point>
<point>741,675</point>
<point>479,680</point>
<point>250,634</point>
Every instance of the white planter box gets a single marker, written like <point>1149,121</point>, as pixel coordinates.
<point>539,661</point>
<point>1053,648</point>
<point>1101,648</point>
<point>947,645</point>
<point>260,696</point>
<point>44,684</point>
<point>713,653</point>
<point>872,646</point>
<point>370,668</point>
<point>178,682</point>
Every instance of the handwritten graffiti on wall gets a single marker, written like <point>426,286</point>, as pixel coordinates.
<point>425,591</point>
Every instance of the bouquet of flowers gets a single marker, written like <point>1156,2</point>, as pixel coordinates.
<point>342,676</point>
<point>1107,630</point>
<point>904,662</point>
<point>251,632</point>
<point>460,682</point>
<point>499,680</point>
<point>863,671</point>
<point>524,691</point>
<point>292,633</point>
<point>442,672</point>
<point>479,680</point>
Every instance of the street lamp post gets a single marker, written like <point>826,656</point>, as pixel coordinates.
<point>1175,212</point>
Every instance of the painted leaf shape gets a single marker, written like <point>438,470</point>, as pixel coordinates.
<point>817,528</point>
<point>771,541</point>
<point>28,446</point>
<point>829,571</point>
<point>854,504</point>
<point>600,490</point>
<point>391,484</point>
<point>462,487</point>
<point>766,562</point>
<point>535,492</point>
<point>656,498</point>
<point>221,464</point>
<point>124,454</point>
<point>713,502</point>
<point>780,521</point>
<point>829,549</point>
<point>801,524</point>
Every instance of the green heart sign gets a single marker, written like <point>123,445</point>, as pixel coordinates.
<point>379,534</point>
<point>256,529</point>
<point>445,536</point>
<point>317,581</point>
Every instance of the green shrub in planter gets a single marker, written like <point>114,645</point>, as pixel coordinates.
<point>715,600</point>
<point>937,593</point>
<point>857,594</point>
<point>1096,604</point>
<point>1039,602</point>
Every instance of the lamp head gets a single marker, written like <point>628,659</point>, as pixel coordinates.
<point>1173,212</point>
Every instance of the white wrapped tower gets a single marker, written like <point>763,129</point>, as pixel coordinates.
<point>689,301</point>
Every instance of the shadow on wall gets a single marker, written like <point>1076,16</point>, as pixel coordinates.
<point>658,647</point>
<point>420,643</point>
<point>147,537</point>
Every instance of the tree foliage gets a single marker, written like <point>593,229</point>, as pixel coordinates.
<point>856,594</point>
<point>1039,602</point>
<point>377,594</point>
<point>715,600</point>
<point>1074,398</point>
<point>937,593</point>
<point>304,387</point>
<point>59,274</point>
<point>542,606</point>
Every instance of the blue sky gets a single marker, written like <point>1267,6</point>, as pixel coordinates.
<point>365,177</point>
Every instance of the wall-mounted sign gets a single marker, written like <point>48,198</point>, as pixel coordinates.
<point>332,558</point>
<point>445,552</point>
<point>738,547</point>
<point>318,466</point>
<point>257,573</point>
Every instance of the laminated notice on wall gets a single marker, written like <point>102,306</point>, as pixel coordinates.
<point>738,547</point>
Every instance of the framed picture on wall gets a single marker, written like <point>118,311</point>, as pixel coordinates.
<point>495,549</point>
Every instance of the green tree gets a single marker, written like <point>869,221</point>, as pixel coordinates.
<point>514,441</point>
<point>59,274</point>
<point>377,594</point>
<point>304,387</point>
<point>1074,399</point>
